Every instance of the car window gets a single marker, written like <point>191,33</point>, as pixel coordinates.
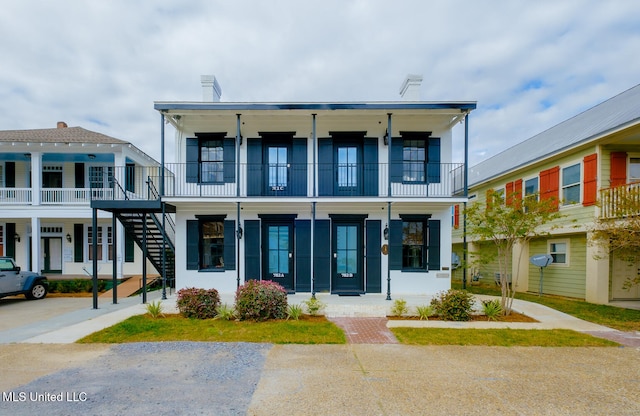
<point>5,265</point>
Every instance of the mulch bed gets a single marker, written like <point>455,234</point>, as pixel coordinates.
<point>513,317</point>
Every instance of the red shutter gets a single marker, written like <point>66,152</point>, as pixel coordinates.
<point>508,188</point>
<point>550,184</point>
<point>517,192</point>
<point>590,179</point>
<point>618,175</point>
<point>456,216</point>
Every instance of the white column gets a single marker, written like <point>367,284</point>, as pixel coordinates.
<point>36,179</point>
<point>520,268</point>
<point>36,262</point>
<point>597,275</point>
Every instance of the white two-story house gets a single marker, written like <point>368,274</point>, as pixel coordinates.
<point>48,178</point>
<point>341,197</point>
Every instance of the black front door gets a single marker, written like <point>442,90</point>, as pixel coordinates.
<point>278,255</point>
<point>348,165</point>
<point>277,164</point>
<point>347,272</point>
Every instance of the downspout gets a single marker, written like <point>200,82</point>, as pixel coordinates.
<point>238,228</point>
<point>466,195</point>
<point>313,206</point>
<point>94,242</point>
<point>389,142</point>
<point>164,230</point>
<point>115,262</point>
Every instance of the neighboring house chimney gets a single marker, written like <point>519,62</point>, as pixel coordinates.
<point>211,90</point>
<point>410,89</point>
<point>62,125</point>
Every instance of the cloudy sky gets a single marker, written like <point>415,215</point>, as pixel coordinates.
<point>101,64</point>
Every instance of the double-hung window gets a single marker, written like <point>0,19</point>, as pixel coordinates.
<point>559,250</point>
<point>414,245</point>
<point>634,169</point>
<point>212,161</point>
<point>413,160</point>
<point>571,184</point>
<point>104,243</point>
<point>212,237</point>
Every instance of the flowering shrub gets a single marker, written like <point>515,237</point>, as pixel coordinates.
<point>198,303</point>
<point>261,300</point>
<point>453,305</point>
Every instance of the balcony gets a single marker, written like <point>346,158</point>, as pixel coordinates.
<point>621,201</point>
<point>54,196</point>
<point>442,180</point>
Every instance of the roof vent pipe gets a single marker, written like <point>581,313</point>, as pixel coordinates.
<point>211,90</point>
<point>410,89</point>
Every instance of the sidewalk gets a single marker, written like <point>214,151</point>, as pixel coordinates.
<point>86,321</point>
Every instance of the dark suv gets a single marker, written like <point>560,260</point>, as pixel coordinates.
<point>14,282</point>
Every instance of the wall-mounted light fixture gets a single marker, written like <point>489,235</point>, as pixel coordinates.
<point>27,155</point>
<point>239,233</point>
<point>386,138</point>
<point>91,156</point>
<point>68,237</point>
<point>386,232</point>
<point>16,237</point>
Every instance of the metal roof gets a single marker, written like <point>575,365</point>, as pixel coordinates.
<point>616,112</point>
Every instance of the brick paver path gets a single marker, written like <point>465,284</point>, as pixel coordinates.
<point>365,330</point>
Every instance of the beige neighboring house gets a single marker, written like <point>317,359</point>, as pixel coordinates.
<point>48,178</point>
<point>579,161</point>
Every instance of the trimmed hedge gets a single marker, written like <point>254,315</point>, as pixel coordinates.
<point>198,303</point>
<point>261,300</point>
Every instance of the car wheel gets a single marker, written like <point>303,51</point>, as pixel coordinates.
<point>38,291</point>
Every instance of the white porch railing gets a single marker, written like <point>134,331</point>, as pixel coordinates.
<point>15,196</point>
<point>620,201</point>
<point>54,196</point>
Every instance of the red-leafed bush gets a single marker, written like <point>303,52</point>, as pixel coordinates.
<point>261,300</point>
<point>198,303</point>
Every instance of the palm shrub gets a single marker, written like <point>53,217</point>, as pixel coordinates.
<point>294,312</point>
<point>226,312</point>
<point>424,312</point>
<point>453,305</point>
<point>314,306</point>
<point>491,309</point>
<point>260,300</point>
<point>198,303</point>
<point>399,307</point>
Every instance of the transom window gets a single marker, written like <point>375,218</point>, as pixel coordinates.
<point>571,184</point>
<point>414,248</point>
<point>212,233</point>
<point>211,161</point>
<point>413,160</point>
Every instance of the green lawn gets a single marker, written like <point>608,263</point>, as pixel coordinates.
<point>143,328</point>
<point>499,337</point>
<point>611,316</point>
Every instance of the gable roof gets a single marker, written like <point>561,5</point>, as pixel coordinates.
<point>58,135</point>
<point>616,112</point>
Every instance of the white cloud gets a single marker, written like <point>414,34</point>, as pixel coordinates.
<point>101,65</point>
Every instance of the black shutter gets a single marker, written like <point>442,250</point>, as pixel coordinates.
<point>129,248</point>
<point>79,173</point>
<point>433,156</point>
<point>370,162</point>
<point>130,177</point>
<point>9,241</point>
<point>395,170</point>
<point>322,255</point>
<point>298,172</point>
<point>303,255</point>
<point>325,167</point>
<point>78,243</point>
<point>395,245</point>
<point>10,174</point>
<point>254,167</point>
<point>434,245</point>
<point>229,245</point>
<point>192,156</point>
<point>229,160</point>
<point>193,245</point>
<point>373,256</point>
<point>251,237</point>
